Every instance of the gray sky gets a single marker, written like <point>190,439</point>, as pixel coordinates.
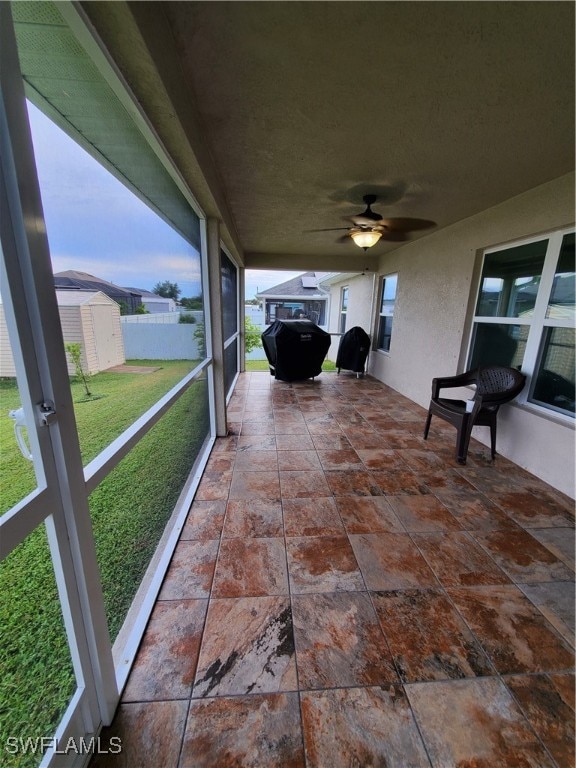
<point>96,225</point>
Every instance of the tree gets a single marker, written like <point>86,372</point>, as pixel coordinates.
<point>252,335</point>
<point>75,351</point>
<point>167,290</point>
<point>141,310</point>
<point>195,302</point>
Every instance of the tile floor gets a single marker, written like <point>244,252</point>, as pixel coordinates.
<point>345,595</point>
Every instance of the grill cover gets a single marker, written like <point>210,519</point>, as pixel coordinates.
<point>295,349</point>
<point>353,350</point>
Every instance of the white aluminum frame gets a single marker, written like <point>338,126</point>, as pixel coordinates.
<point>237,336</point>
<point>61,499</point>
<point>537,320</point>
<point>381,314</point>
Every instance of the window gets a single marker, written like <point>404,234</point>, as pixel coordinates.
<point>295,310</point>
<point>387,300</point>
<point>525,317</point>
<point>343,309</point>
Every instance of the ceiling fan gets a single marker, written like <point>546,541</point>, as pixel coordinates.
<point>368,227</point>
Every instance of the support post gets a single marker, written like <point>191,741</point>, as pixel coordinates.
<point>216,323</point>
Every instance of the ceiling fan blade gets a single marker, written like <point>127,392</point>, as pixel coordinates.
<point>366,221</point>
<point>394,236</point>
<point>330,229</point>
<point>406,224</point>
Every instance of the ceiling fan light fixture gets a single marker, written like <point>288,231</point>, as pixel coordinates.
<point>365,238</point>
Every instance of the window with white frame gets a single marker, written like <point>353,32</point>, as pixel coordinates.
<point>343,309</point>
<point>387,301</point>
<point>525,316</point>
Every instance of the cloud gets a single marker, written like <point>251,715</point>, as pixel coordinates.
<point>262,279</point>
<point>96,225</point>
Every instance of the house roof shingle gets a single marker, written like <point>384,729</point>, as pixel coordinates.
<point>295,287</point>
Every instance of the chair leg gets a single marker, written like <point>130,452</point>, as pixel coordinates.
<point>493,439</point>
<point>427,425</point>
<point>463,441</point>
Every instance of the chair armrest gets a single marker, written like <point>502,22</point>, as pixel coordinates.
<point>445,382</point>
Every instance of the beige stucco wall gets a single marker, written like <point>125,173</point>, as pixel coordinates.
<point>431,320</point>
<point>360,297</point>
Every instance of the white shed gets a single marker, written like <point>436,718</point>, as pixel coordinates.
<point>89,318</point>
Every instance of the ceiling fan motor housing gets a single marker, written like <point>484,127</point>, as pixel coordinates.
<point>369,213</point>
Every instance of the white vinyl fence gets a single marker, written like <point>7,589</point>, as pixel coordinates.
<point>257,317</point>
<point>161,336</point>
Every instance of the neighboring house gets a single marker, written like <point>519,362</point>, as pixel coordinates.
<point>301,297</point>
<point>153,302</point>
<point>89,318</point>
<point>128,299</point>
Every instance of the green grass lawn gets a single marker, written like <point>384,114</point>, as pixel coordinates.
<point>262,365</point>
<point>129,511</point>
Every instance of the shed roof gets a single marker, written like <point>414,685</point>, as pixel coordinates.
<point>67,298</point>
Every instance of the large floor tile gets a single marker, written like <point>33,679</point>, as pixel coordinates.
<point>385,459</point>
<point>391,561</point>
<point>339,642</point>
<point>256,461</point>
<point>560,541</point>
<point>254,485</point>
<point>400,481</point>
<point>474,511</point>
<point>352,483</point>
<point>249,731</point>
<point>250,567</point>
<point>361,727</point>
<point>143,734</point>
<point>362,514</point>
<point>534,511</point>
<point>191,571</point>
<point>550,717</point>
<point>514,634</point>
<point>423,513</point>
<point>303,484</point>
<point>457,559</point>
<point>556,602</point>
<point>167,658</point>
<point>427,636</point>
<point>298,460</point>
<point>256,443</point>
<point>204,520</point>
<point>253,518</point>
<point>523,558</point>
<point>294,443</point>
<point>312,517</point>
<point>214,485</point>
<point>474,723</point>
<point>248,647</point>
<point>340,459</point>
<point>322,564</point>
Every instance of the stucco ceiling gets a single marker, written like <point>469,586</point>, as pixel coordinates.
<point>443,109</point>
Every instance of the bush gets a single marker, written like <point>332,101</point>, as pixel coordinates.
<point>253,335</point>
